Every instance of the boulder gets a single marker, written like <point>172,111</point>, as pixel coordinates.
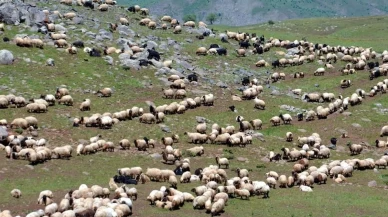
<point>6,57</point>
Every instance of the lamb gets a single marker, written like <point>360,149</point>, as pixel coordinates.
<point>16,193</point>
<point>66,100</point>
<point>185,178</point>
<point>242,193</point>
<point>275,121</point>
<point>201,128</point>
<point>222,161</point>
<point>103,7</point>
<point>85,105</point>
<point>289,137</point>
<point>105,92</point>
<point>147,118</point>
<point>259,104</point>
<point>240,52</point>
<point>319,71</point>
<point>345,83</point>
<point>201,51</point>
<point>286,118</point>
<point>384,131</point>
<point>177,30</point>
<point>256,124</point>
<point>196,151</point>
<point>355,148</point>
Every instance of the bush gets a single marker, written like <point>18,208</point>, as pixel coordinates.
<point>189,17</point>
<point>271,22</point>
<point>228,153</point>
<point>19,130</point>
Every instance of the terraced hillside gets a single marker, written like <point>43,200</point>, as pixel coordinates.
<point>137,86</point>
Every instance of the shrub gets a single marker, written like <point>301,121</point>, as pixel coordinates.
<point>271,22</point>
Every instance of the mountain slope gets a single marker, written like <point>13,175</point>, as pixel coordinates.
<point>246,12</point>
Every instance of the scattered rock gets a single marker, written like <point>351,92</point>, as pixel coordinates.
<point>34,133</point>
<point>236,98</point>
<point>156,156</point>
<point>6,57</point>
<point>366,119</point>
<point>108,59</point>
<point>200,119</point>
<point>165,129</point>
<point>85,173</point>
<point>356,125</point>
<point>302,130</point>
<point>275,93</point>
<point>372,183</point>
<point>29,167</point>
<point>242,159</point>
<point>221,84</point>
<point>347,113</point>
<point>83,141</point>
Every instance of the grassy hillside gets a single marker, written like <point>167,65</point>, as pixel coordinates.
<point>243,12</point>
<point>82,74</point>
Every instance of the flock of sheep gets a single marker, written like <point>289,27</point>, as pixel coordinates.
<point>215,188</point>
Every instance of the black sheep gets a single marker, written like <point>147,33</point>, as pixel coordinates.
<point>124,179</point>
<point>78,44</point>
<point>275,64</point>
<point>232,108</point>
<point>262,39</point>
<point>95,53</point>
<point>259,50</point>
<point>245,81</point>
<point>6,39</point>
<point>300,116</point>
<point>245,44</point>
<point>198,171</point>
<point>214,46</point>
<point>89,4</point>
<point>221,51</point>
<point>371,65</point>
<point>333,141</point>
<point>143,62</point>
<point>153,54</point>
<point>224,40</point>
<point>132,9</point>
<point>200,37</point>
<point>192,77</point>
<point>206,34</point>
<point>178,171</point>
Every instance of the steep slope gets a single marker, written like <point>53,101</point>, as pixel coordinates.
<point>246,12</point>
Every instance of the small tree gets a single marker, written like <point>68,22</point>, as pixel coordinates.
<point>211,18</point>
<point>189,17</point>
<point>271,22</point>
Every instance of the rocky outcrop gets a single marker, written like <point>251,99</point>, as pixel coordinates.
<point>16,11</point>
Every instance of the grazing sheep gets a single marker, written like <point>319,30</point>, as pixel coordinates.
<point>319,71</point>
<point>16,193</point>
<point>222,162</point>
<point>85,105</point>
<point>355,149</point>
<point>384,131</point>
<point>66,100</point>
<point>275,121</point>
<point>286,118</point>
<point>289,137</point>
<point>345,83</point>
<point>105,92</point>
<point>201,51</point>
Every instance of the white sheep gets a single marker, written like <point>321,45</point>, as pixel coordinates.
<point>16,193</point>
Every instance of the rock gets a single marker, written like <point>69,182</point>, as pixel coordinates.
<point>302,130</point>
<point>165,129</point>
<point>6,57</point>
<point>83,141</point>
<point>15,12</point>
<point>275,93</point>
<point>29,167</point>
<point>316,85</point>
<point>108,59</point>
<point>200,119</point>
<point>85,173</point>
<point>189,40</point>
<point>78,20</point>
<point>125,30</point>
<point>105,34</point>
<point>34,133</point>
<point>129,63</point>
<point>50,62</point>
<point>356,125</point>
<point>151,44</point>
<point>236,98</point>
<point>171,42</point>
<point>221,84</point>
<point>372,184</point>
<point>347,113</point>
<point>242,159</point>
<point>378,105</point>
<point>156,156</point>
<point>366,119</point>
<point>59,27</point>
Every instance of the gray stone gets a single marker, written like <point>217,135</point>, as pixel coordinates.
<point>372,184</point>
<point>3,134</point>
<point>221,84</point>
<point>275,92</point>
<point>125,30</point>
<point>129,63</point>
<point>177,47</point>
<point>85,173</point>
<point>78,20</point>
<point>347,113</point>
<point>29,167</point>
<point>366,119</point>
<point>356,125</point>
<point>59,27</point>
<point>50,62</point>
<point>156,156</point>
<point>316,85</point>
<point>302,130</point>
<point>6,57</point>
<point>242,159</point>
<point>200,119</point>
<point>165,129</point>
<point>171,42</point>
<point>189,40</point>
<point>83,141</point>
<point>108,59</point>
<point>34,133</point>
<point>151,44</point>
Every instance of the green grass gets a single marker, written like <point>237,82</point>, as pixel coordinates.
<point>130,89</point>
